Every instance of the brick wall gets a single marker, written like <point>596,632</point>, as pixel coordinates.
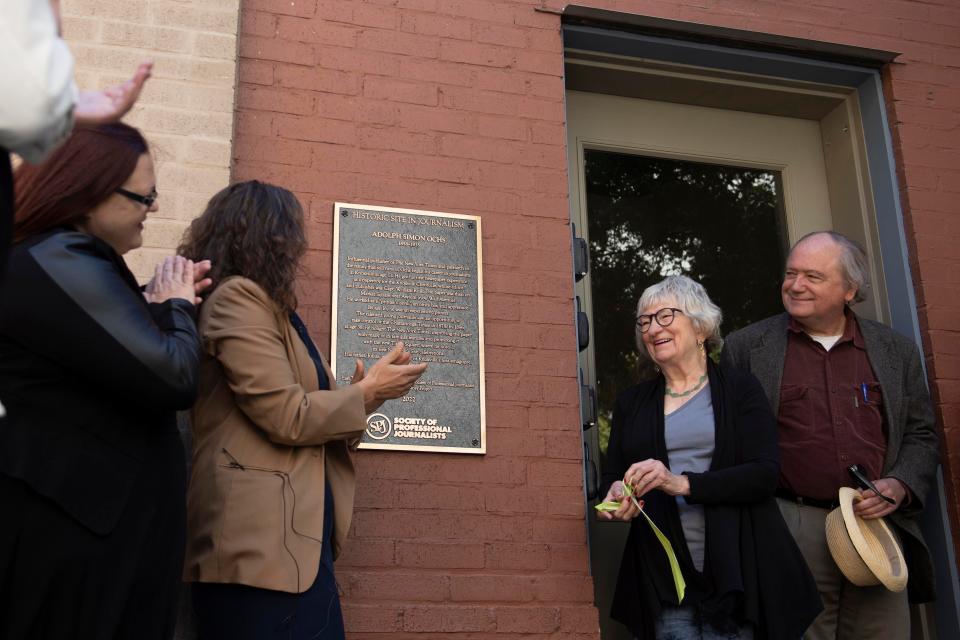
<point>457,105</point>
<point>186,111</point>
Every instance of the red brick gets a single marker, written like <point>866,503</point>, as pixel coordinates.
<point>548,312</point>
<point>515,441</point>
<point>254,124</point>
<point>411,44</point>
<point>500,127</point>
<point>514,500</point>
<point>435,25</point>
<point>444,73</point>
<point>357,60</point>
<point>545,40</point>
<point>550,363</point>
<point>470,199</point>
<point>256,72</point>
<point>563,588</point>
<point>316,31</point>
<point>572,558</point>
<point>398,192</point>
<point>450,619</point>
<point>318,79</point>
<point>506,417</point>
<point>497,34</point>
<point>564,391</point>
<point>513,556</point>
<point>479,148</point>
<point>368,15</point>
<point>400,91</point>
<point>510,334</point>
<point>433,555</point>
<point>556,474</point>
<point>369,553</point>
<point>527,619</point>
<point>579,619</point>
<point>272,49</point>
<point>486,11</point>
<point>273,99</point>
<point>567,446</point>
<point>437,496</point>
<point>546,62</point>
<point>490,588</point>
<point>435,119</point>
<point>566,502</point>
<point>382,586</point>
<point>316,129</point>
<point>478,54</point>
<point>501,80</point>
<point>523,390</point>
<point>424,144</point>
<point>564,337</point>
<point>552,529</point>
<point>548,133</point>
<point>269,149</point>
<point>359,618</point>
<point>258,23</point>
<point>543,155</point>
<point>299,8</point>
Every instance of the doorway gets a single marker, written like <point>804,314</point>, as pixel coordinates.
<point>661,187</point>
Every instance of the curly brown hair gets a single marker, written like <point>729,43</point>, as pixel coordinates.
<point>254,230</point>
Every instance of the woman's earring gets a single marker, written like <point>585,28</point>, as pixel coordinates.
<point>703,351</point>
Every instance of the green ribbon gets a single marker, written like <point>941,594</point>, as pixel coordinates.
<point>678,580</point>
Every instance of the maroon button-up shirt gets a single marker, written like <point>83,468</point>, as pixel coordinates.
<point>830,414</point>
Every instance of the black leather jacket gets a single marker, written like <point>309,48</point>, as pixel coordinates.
<point>90,373</point>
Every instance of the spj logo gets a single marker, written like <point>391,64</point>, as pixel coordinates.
<point>378,426</point>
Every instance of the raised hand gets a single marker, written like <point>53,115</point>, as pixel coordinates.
<point>112,103</point>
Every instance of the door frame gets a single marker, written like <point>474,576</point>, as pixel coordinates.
<point>879,166</point>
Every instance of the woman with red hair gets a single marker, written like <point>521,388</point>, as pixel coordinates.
<point>92,371</point>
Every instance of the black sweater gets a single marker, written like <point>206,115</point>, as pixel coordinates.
<point>753,570</point>
<point>90,374</point>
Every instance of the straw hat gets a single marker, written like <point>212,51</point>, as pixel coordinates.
<point>866,551</point>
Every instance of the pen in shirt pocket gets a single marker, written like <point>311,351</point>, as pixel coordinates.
<point>863,390</point>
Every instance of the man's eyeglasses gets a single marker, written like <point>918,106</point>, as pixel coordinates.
<point>664,318</point>
<point>148,199</point>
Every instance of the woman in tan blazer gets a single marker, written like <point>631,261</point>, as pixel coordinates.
<point>271,488</point>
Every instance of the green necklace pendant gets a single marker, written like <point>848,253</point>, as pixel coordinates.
<point>699,384</point>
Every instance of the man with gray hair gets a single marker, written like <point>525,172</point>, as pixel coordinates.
<point>846,391</point>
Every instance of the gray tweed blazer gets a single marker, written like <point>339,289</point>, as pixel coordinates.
<point>913,450</point>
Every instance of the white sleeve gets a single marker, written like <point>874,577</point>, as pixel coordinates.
<point>37,89</point>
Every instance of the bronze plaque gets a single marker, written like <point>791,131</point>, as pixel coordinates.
<point>413,276</point>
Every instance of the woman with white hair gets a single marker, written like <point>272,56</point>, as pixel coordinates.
<point>698,444</point>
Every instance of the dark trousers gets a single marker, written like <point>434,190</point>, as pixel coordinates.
<point>239,612</point>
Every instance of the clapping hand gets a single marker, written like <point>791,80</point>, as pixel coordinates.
<point>391,377</point>
<point>170,280</point>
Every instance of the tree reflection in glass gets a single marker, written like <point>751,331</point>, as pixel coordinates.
<point>653,217</point>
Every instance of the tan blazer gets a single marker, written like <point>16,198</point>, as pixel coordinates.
<point>264,440</point>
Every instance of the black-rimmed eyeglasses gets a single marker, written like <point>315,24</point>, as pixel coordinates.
<point>664,318</point>
<point>148,199</point>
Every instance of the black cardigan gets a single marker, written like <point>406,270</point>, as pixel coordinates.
<point>753,570</point>
<point>90,374</point>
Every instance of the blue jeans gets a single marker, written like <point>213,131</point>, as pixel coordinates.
<point>684,623</point>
